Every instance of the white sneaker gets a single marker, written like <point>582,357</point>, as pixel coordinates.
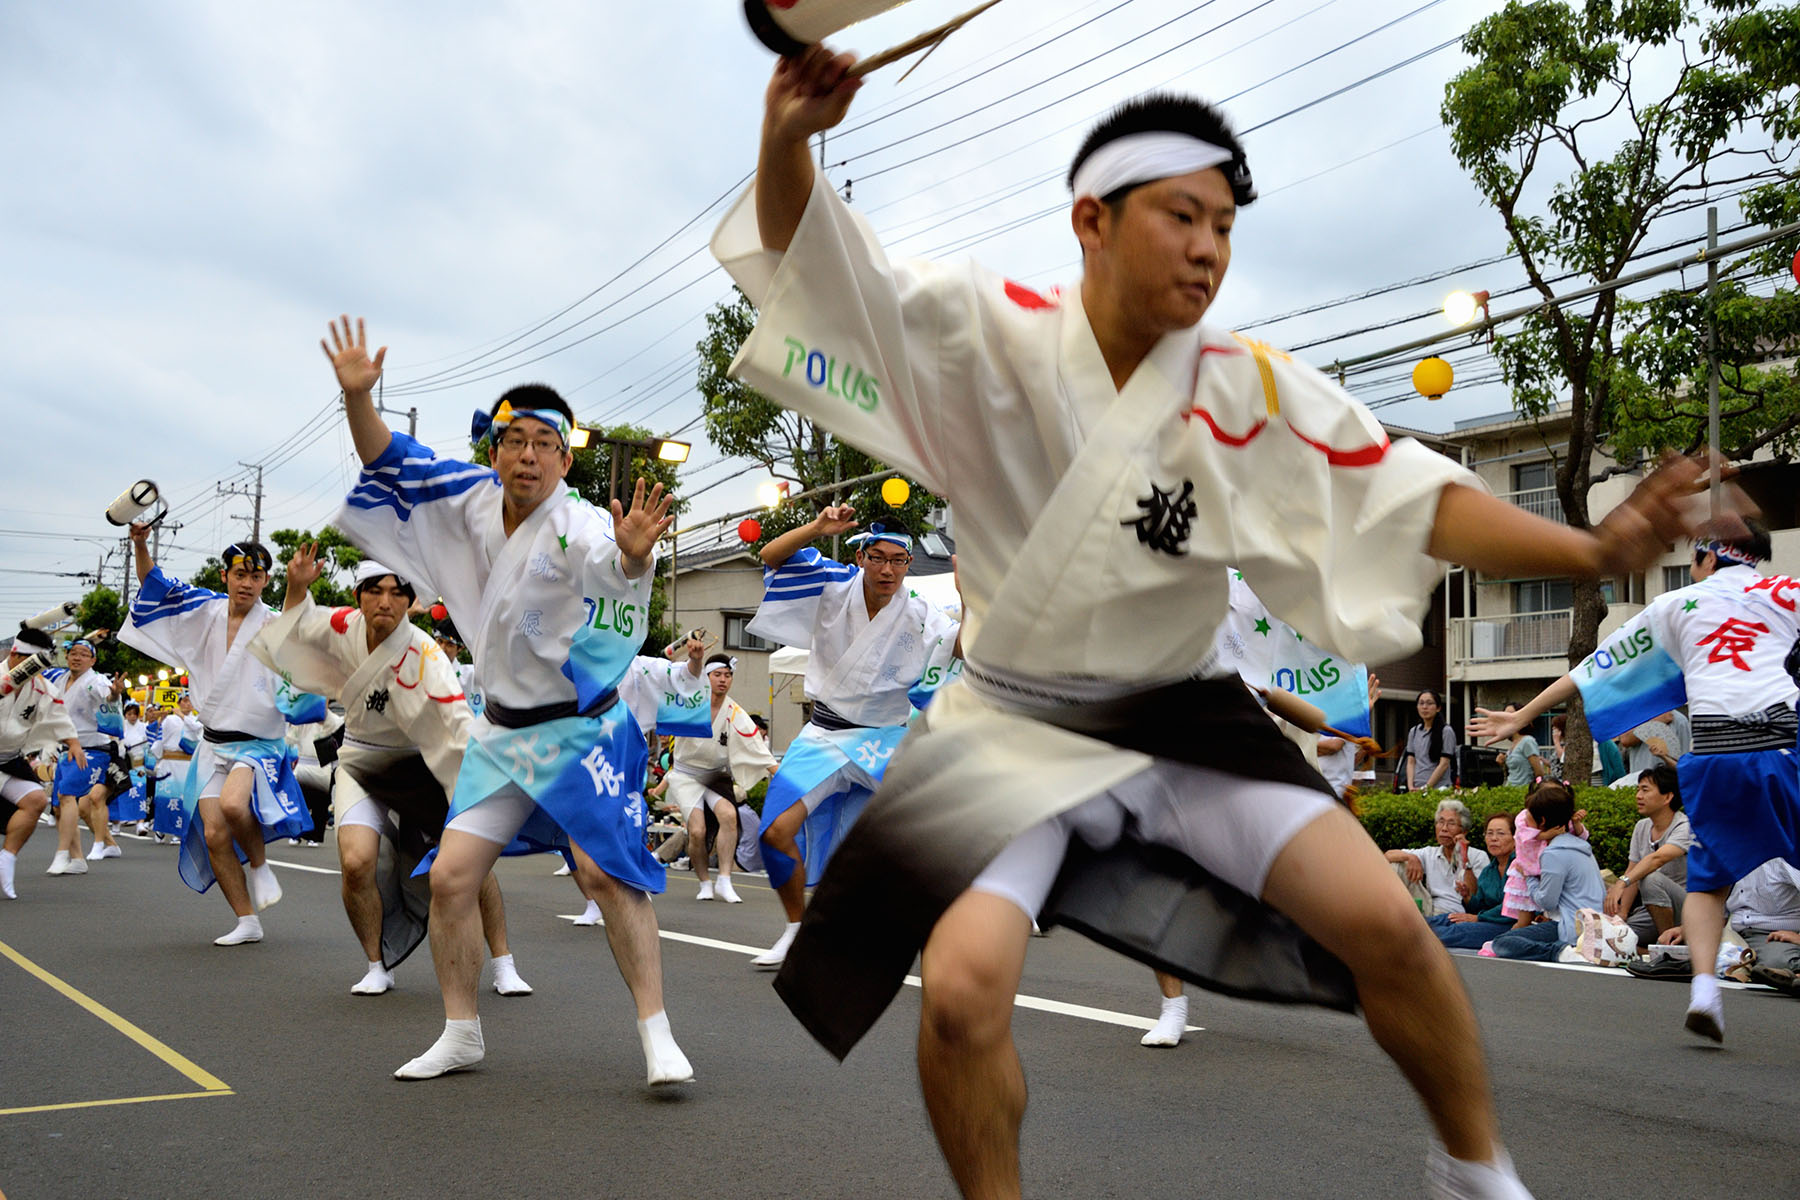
<point>506,978</point>
<point>727,893</point>
<point>77,866</point>
<point>1449,1178</point>
<point>705,892</point>
<point>1707,1021</point>
<point>248,929</point>
<point>143,829</point>
<point>377,980</point>
<point>59,864</point>
<point>775,955</point>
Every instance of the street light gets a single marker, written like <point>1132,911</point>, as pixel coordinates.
<point>672,451</point>
<point>1460,307</point>
<point>772,493</point>
<point>578,437</point>
<point>162,674</point>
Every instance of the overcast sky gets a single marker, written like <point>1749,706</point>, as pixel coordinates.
<point>194,188</point>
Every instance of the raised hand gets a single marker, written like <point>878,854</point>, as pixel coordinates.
<point>304,568</point>
<point>357,373</point>
<point>808,94</point>
<point>637,530</point>
<point>1494,727</point>
<point>140,533</point>
<point>1663,509</point>
<point>835,519</point>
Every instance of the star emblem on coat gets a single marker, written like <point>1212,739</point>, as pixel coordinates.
<point>1690,606</point>
<point>377,701</point>
<point>1262,626</point>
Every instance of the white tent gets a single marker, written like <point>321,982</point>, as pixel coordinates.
<point>937,589</point>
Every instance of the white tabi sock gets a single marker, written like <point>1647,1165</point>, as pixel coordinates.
<point>1706,1008</point>
<point>58,863</point>
<point>264,888</point>
<point>589,915</point>
<point>663,1059</point>
<point>726,892</point>
<point>1449,1178</point>
<point>777,954</point>
<point>457,1048</point>
<point>706,890</point>
<point>506,978</point>
<point>378,980</point>
<point>1170,1025</point>
<point>247,929</point>
<point>8,865</point>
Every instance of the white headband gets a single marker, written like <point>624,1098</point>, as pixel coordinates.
<point>730,665</point>
<point>368,569</point>
<point>1143,158</point>
<point>25,649</point>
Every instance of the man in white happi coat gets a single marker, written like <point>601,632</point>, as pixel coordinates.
<point>31,714</point>
<point>405,725</point>
<point>870,640</point>
<point>708,774</point>
<point>81,789</point>
<point>1106,454</point>
<point>240,790</point>
<point>553,594</point>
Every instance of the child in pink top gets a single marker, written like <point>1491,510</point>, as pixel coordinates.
<point>1527,849</point>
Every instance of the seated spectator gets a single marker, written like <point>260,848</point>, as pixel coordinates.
<point>1651,892</point>
<point>1567,880</point>
<point>1484,921</point>
<point>1443,875</point>
<point>1764,910</point>
<point>1609,763</point>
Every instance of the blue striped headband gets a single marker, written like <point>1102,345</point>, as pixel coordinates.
<point>1725,552</point>
<point>881,533</point>
<point>486,427</point>
<point>85,644</point>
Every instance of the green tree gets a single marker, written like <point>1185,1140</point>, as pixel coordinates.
<point>102,608</point>
<point>1582,125</point>
<point>336,553</point>
<point>744,423</point>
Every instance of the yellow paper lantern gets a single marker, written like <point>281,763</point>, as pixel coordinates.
<point>896,492</point>
<point>1432,378</point>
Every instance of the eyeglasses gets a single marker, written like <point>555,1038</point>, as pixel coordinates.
<point>882,560</point>
<point>513,443</point>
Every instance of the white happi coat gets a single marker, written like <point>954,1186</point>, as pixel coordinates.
<point>654,684</point>
<point>861,667</point>
<point>737,746</point>
<point>403,695</point>
<point>1092,520</point>
<point>32,715</point>
<point>83,698</point>
<point>184,625</point>
<point>552,596</point>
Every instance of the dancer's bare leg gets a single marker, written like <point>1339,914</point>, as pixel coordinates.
<point>968,1066</point>
<point>359,847</point>
<point>222,851</point>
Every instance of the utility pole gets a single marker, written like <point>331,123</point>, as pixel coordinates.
<point>1712,360</point>
<point>256,498</point>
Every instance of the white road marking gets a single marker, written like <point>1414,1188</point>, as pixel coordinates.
<point>276,862</point>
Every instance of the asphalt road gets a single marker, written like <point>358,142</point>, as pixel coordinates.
<point>1600,1091</point>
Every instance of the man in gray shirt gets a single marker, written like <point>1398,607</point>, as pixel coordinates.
<point>1650,893</point>
<point>1654,743</point>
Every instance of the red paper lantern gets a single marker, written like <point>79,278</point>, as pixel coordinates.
<point>749,529</point>
<point>1797,266</point>
<point>439,612</point>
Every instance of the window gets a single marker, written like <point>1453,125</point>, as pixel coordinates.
<point>1542,595</point>
<point>1675,577</point>
<point>736,638</point>
<point>1530,476</point>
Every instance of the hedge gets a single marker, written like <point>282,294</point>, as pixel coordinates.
<point>1404,821</point>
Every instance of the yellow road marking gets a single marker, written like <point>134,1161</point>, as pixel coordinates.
<point>7,1112</point>
<point>211,1083</point>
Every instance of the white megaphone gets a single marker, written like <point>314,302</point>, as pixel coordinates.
<point>788,27</point>
<point>135,501</point>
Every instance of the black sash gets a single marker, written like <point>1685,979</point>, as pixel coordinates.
<point>523,718</point>
<point>18,768</point>
<point>830,720</point>
<point>218,736</point>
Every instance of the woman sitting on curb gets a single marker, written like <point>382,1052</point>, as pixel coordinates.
<point>1568,880</point>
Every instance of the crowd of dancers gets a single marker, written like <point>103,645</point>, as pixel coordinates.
<point>1083,733</point>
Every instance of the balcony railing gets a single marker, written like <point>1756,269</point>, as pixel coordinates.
<point>1542,502</point>
<point>1518,637</point>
